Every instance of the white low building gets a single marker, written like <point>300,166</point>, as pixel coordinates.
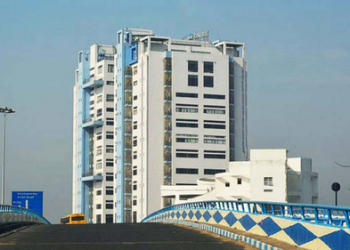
<point>269,176</point>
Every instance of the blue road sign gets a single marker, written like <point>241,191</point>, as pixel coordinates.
<point>29,200</point>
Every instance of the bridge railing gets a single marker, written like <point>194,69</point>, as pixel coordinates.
<point>317,214</point>
<point>12,214</point>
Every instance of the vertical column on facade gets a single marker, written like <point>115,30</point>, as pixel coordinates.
<point>127,143</point>
<point>91,172</point>
<point>245,108</point>
<point>167,168</point>
<point>231,110</point>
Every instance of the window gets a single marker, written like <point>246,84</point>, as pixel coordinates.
<point>213,109</point>
<point>214,154</point>
<point>134,202</point>
<point>110,83</point>
<point>135,97</point>
<point>192,66</point>
<point>98,192</point>
<point>99,164</point>
<point>109,162</point>
<point>214,139</point>
<point>268,181</point>
<point>110,68</point>
<point>267,190</point>
<point>109,109</point>
<point>109,148</point>
<point>208,67</point>
<point>109,218</point>
<point>109,135</point>
<point>135,70</point>
<point>98,219</point>
<point>134,187</point>
<point>214,124</point>
<point>134,143</point>
<point>186,123</point>
<point>210,96</point>
<point>99,98</point>
<point>186,153</point>
<point>187,138</point>
<point>99,150</point>
<point>135,125</point>
<point>213,171</point>
<point>133,54</point>
<point>98,206</point>
<point>186,110</point>
<point>110,98</point>
<point>134,172</point>
<point>99,70</point>
<point>208,81</point>
<point>187,171</point>
<point>134,217</point>
<point>227,184</point>
<point>99,112</point>
<point>109,178</point>
<point>239,181</point>
<point>135,83</point>
<point>192,80</point>
<point>109,192</point>
<point>109,206</point>
<point>110,122</point>
<point>99,137</point>
<point>187,95</point>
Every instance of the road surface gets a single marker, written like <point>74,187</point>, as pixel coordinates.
<point>115,236</point>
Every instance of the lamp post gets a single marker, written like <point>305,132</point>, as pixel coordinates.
<point>5,111</point>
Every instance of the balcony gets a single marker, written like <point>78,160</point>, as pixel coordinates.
<point>88,83</point>
<point>104,56</point>
<point>89,176</point>
<point>92,123</point>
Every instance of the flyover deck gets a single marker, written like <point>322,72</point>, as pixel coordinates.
<point>115,236</point>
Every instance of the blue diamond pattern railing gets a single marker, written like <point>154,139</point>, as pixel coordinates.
<point>316,214</point>
<point>11,214</point>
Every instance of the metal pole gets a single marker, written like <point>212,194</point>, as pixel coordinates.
<point>3,163</point>
<point>336,198</point>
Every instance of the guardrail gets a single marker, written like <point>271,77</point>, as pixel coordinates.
<point>12,214</point>
<point>316,214</point>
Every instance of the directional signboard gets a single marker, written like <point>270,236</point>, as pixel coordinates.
<point>29,200</point>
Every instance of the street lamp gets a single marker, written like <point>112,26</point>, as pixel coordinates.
<point>5,111</point>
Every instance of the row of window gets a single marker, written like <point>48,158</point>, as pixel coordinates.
<point>208,154</point>
<point>110,69</point>
<point>109,219</point>
<point>208,67</point>
<point>208,81</point>
<point>193,123</point>
<point>208,139</point>
<point>195,171</point>
<point>195,95</point>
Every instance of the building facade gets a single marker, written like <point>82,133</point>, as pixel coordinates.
<point>93,134</point>
<point>180,115</point>
<point>269,176</point>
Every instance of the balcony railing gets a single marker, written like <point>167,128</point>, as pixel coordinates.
<point>105,57</point>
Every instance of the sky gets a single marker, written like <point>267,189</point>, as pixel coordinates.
<point>298,55</point>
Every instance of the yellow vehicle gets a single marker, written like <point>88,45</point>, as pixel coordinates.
<point>74,219</point>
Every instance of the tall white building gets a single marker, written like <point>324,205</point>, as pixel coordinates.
<point>93,134</point>
<point>180,115</point>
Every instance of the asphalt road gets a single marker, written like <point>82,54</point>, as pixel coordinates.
<point>115,236</point>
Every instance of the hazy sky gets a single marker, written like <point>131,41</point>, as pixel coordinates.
<point>298,77</point>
